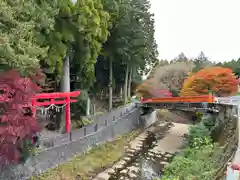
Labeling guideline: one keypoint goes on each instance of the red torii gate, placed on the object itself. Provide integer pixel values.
(12, 80)
(53, 98)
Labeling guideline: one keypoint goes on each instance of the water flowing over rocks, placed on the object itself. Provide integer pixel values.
(148, 153)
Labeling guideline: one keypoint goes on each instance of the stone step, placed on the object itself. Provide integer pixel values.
(126, 158)
(133, 169)
(102, 176)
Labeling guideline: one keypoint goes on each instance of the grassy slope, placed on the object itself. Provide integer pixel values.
(99, 157)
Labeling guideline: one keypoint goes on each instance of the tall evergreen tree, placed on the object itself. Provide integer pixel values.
(21, 24)
(201, 62)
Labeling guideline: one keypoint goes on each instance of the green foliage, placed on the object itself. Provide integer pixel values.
(80, 29)
(201, 62)
(175, 92)
(194, 163)
(79, 108)
(210, 123)
(234, 65)
(180, 58)
(168, 178)
(130, 43)
(26, 149)
(199, 142)
(84, 95)
(199, 116)
(21, 22)
(198, 134)
(137, 45)
(91, 32)
(84, 121)
(199, 160)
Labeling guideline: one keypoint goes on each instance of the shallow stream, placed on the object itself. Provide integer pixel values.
(145, 165)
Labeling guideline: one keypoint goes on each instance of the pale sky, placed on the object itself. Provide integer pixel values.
(191, 26)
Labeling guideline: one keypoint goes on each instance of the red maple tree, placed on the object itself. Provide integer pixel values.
(148, 90)
(16, 121)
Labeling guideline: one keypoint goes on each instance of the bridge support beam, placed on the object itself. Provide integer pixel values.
(146, 110)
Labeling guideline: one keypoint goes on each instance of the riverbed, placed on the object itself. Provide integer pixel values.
(149, 153)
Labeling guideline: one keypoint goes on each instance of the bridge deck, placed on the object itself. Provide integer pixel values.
(190, 103)
(189, 99)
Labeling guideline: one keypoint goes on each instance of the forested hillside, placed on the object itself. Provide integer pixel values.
(101, 47)
(97, 46)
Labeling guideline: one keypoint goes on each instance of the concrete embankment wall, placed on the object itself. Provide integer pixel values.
(226, 133)
(61, 149)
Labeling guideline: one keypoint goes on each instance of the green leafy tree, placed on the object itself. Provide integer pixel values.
(90, 34)
(112, 7)
(136, 44)
(80, 29)
(180, 58)
(201, 62)
(234, 65)
(21, 24)
(130, 50)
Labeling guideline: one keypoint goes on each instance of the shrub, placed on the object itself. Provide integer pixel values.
(84, 121)
(26, 149)
(193, 163)
(210, 123)
(168, 178)
(199, 116)
(199, 135)
(200, 160)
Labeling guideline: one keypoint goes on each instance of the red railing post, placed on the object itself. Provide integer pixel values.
(67, 114)
(210, 97)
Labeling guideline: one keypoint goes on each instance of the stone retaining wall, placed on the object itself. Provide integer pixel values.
(61, 149)
(226, 133)
(101, 121)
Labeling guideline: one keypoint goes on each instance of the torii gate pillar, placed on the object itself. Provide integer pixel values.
(51, 100)
(67, 115)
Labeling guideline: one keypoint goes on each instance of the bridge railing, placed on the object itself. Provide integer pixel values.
(227, 100)
(191, 99)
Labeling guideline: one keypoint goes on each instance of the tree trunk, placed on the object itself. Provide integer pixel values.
(88, 106)
(121, 92)
(101, 95)
(126, 85)
(55, 83)
(110, 85)
(55, 79)
(65, 87)
(94, 109)
(129, 83)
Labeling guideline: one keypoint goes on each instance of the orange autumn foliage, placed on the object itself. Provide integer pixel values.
(220, 81)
